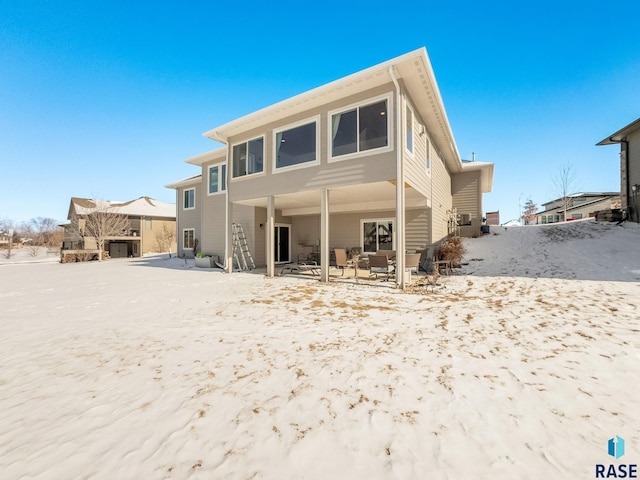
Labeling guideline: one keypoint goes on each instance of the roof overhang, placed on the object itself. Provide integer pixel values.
(219, 155)
(187, 182)
(486, 173)
(413, 69)
(620, 135)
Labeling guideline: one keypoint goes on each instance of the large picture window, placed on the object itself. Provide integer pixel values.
(377, 234)
(360, 129)
(296, 146)
(188, 238)
(248, 158)
(189, 199)
(217, 178)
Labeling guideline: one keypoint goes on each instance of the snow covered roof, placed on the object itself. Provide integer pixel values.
(143, 206)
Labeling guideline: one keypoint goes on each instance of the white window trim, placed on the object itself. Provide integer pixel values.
(220, 191)
(264, 159)
(184, 230)
(390, 128)
(194, 198)
(316, 162)
(377, 220)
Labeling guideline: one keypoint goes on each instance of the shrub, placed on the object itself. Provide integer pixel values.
(452, 250)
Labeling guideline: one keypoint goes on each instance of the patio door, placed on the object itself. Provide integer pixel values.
(377, 234)
(282, 244)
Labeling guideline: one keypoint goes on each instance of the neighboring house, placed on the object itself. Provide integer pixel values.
(149, 220)
(580, 205)
(629, 140)
(368, 161)
(4, 238)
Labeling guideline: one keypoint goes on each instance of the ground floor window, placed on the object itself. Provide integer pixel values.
(377, 234)
(188, 237)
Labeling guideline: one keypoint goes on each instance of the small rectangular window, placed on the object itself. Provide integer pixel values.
(248, 158)
(189, 199)
(217, 178)
(188, 238)
(409, 136)
(428, 159)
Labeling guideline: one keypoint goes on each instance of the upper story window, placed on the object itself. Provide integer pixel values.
(189, 197)
(248, 158)
(297, 145)
(409, 130)
(217, 178)
(359, 129)
(428, 156)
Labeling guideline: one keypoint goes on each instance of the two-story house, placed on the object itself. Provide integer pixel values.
(149, 227)
(367, 161)
(578, 206)
(629, 139)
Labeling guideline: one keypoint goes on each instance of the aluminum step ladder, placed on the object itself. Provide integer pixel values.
(241, 252)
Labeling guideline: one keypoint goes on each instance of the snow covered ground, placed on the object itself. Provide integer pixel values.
(522, 366)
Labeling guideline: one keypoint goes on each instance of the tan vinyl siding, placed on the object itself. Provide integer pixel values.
(415, 169)
(417, 231)
(441, 199)
(364, 169)
(634, 163)
(305, 231)
(466, 193)
(213, 217)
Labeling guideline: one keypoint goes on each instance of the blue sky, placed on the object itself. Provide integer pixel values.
(106, 99)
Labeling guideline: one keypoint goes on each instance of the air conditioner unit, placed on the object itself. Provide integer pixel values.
(465, 219)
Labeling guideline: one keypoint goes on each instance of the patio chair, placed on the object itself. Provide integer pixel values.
(379, 264)
(306, 254)
(391, 254)
(412, 262)
(342, 261)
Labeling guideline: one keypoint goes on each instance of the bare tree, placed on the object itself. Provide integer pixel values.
(565, 184)
(529, 213)
(41, 232)
(101, 223)
(164, 239)
(8, 227)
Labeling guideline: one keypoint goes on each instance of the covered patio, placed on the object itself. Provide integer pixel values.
(309, 225)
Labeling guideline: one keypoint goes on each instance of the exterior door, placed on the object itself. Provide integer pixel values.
(282, 244)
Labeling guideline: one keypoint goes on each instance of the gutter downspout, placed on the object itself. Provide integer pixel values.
(228, 254)
(400, 194)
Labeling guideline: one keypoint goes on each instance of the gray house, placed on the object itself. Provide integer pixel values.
(579, 205)
(629, 140)
(367, 161)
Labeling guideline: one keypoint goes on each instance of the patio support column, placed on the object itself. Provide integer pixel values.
(270, 236)
(324, 235)
(400, 193)
(228, 247)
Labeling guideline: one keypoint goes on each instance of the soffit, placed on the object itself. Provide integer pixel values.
(372, 196)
